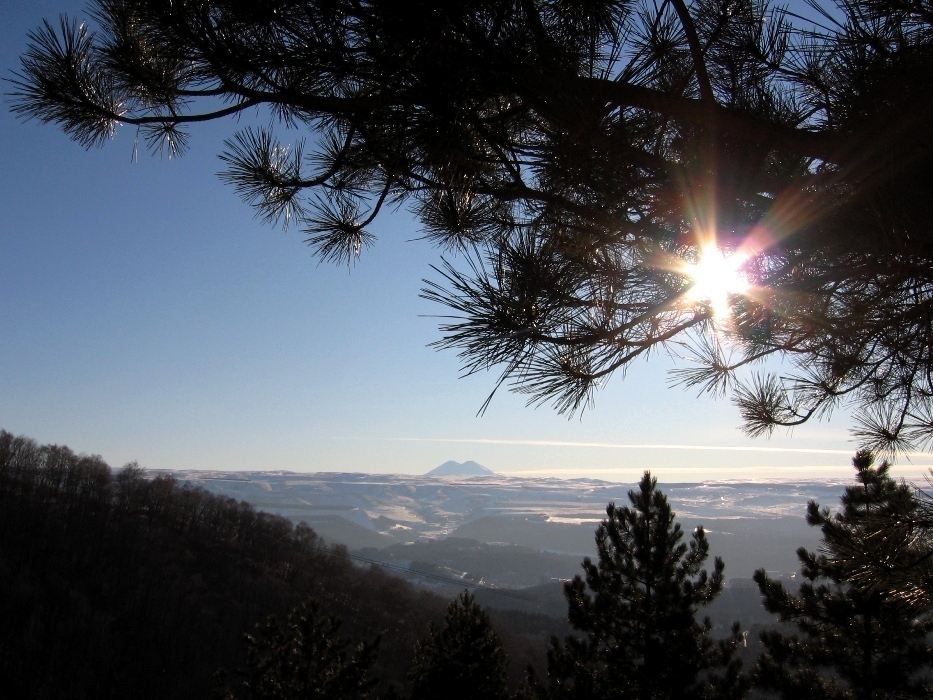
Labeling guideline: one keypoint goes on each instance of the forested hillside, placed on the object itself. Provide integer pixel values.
(116, 585)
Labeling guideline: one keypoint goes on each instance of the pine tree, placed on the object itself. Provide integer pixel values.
(583, 156)
(886, 543)
(641, 638)
(860, 638)
(305, 659)
(464, 660)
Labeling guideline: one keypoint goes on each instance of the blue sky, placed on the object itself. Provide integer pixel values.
(147, 316)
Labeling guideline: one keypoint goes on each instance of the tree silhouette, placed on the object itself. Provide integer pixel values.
(861, 637)
(582, 156)
(642, 638)
(305, 659)
(882, 540)
(463, 660)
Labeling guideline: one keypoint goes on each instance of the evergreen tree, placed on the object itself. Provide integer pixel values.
(860, 639)
(463, 660)
(584, 156)
(306, 659)
(641, 636)
(887, 543)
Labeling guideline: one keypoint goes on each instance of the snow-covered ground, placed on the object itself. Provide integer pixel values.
(751, 523)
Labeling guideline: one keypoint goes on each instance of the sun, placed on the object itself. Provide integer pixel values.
(717, 275)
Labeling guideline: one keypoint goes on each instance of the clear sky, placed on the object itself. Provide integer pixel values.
(147, 316)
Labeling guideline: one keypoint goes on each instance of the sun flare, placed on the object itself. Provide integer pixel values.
(716, 276)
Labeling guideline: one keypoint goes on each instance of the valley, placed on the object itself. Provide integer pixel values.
(515, 540)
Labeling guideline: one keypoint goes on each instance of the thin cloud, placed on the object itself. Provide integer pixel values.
(623, 446)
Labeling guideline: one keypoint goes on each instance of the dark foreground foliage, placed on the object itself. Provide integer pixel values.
(637, 612)
(858, 639)
(463, 660)
(304, 659)
(117, 586)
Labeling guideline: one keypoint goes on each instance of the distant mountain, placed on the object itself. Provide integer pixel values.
(451, 468)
